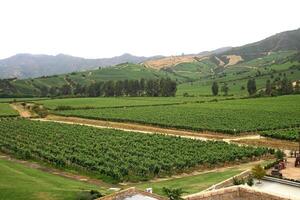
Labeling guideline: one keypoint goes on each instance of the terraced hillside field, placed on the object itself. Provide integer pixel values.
(230, 116)
(7, 111)
(115, 155)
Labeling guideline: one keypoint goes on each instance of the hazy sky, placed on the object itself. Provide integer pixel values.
(105, 28)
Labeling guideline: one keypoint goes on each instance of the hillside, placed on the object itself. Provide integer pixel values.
(284, 41)
(30, 66)
(272, 58)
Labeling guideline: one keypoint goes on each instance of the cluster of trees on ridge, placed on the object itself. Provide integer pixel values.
(275, 88)
(153, 87)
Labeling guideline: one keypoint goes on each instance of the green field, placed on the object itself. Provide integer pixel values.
(285, 134)
(191, 184)
(7, 111)
(107, 102)
(19, 182)
(115, 155)
(228, 116)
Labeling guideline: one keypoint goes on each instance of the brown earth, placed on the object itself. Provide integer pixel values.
(204, 135)
(291, 171)
(169, 61)
(269, 142)
(21, 110)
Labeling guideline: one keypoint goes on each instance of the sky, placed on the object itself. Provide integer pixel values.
(106, 28)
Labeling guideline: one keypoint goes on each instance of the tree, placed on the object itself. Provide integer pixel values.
(297, 87)
(119, 88)
(215, 88)
(66, 89)
(109, 88)
(258, 172)
(268, 88)
(279, 155)
(251, 86)
(225, 89)
(173, 194)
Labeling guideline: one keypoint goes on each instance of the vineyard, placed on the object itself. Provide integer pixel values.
(230, 116)
(115, 155)
(7, 111)
(110, 102)
(286, 134)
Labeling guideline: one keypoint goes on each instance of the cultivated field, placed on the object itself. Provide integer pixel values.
(230, 116)
(116, 155)
(7, 111)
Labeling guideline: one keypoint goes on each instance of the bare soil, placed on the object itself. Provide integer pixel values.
(291, 171)
(21, 110)
(204, 135)
(269, 142)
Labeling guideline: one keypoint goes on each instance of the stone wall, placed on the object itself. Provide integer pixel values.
(234, 193)
(130, 192)
(229, 182)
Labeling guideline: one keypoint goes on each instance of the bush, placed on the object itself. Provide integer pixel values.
(238, 181)
(89, 195)
(250, 181)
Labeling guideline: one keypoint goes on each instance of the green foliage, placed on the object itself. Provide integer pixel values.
(279, 155)
(251, 86)
(215, 88)
(250, 181)
(173, 194)
(88, 195)
(7, 111)
(285, 134)
(118, 155)
(238, 181)
(230, 116)
(258, 172)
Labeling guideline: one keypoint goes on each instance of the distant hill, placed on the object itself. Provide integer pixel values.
(284, 41)
(30, 66)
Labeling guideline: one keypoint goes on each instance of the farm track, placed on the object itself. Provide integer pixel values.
(134, 127)
(22, 112)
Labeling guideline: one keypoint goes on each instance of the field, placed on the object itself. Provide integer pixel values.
(230, 116)
(7, 111)
(107, 102)
(115, 155)
(191, 184)
(285, 134)
(20, 182)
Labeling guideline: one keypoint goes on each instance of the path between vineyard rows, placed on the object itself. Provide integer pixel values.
(131, 127)
(134, 127)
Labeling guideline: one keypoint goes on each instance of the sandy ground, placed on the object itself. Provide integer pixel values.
(233, 59)
(169, 61)
(291, 171)
(22, 112)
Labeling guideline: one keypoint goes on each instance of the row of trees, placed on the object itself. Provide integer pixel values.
(152, 87)
(277, 87)
(215, 89)
(282, 87)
